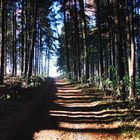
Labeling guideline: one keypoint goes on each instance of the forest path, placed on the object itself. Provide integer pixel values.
(63, 112)
(76, 116)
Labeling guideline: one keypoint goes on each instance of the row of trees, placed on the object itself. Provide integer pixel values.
(26, 37)
(104, 44)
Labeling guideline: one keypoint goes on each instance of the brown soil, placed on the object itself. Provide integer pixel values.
(60, 111)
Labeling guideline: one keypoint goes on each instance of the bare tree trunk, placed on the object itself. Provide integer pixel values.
(139, 63)
(26, 44)
(48, 63)
(111, 36)
(132, 55)
(101, 68)
(66, 42)
(118, 39)
(41, 52)
(33, 40)
(86, 49)
(14, 44)
(3, 41)
(22, 38)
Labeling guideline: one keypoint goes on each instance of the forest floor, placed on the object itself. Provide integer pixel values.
(62, 111)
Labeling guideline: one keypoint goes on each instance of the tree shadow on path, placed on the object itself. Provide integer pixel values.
(59, 106)
(34, 116)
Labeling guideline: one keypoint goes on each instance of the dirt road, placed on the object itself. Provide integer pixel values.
(62, 112)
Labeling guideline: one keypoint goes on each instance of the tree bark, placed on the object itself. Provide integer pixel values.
(14, 44)
(3, 41)
(132, 55)
(66, 41)
(85, 44)
(22, 39)
(101, 68)
(33, 39)
(118, 39)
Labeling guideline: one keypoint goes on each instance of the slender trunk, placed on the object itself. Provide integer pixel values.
(14, 44)
(77, 45)
(26, 47)
(86, 50)
(48, 63)
(118, 40)
(66, 43)
(111, 42)
(22, 38)
(41, 53)
(33, 40)
(101, 68)
(132, 55)
(139, 63)
(6, 35)
(3, 41)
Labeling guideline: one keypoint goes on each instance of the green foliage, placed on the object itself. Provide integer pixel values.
(137, 86)
(96, 79)
(114, 83)
(115, 77)
(126, 83)
(105, 82)
(16, 87)
(36, 81)
(73, 80)
(131, 132)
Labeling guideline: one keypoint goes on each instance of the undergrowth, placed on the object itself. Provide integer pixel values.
(19, 89)
(131, 130)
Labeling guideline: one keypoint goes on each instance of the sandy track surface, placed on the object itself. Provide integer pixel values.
(62, 112)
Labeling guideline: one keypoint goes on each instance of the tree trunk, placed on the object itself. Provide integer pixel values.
(101, 68)
(132, 55)
(77, 45)
(22, 39)
(26, 44)
(111, 36)
(14, 44)
(86, 49)
(66, 42)
(3, 41)
(118, 40)
(33, 39)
